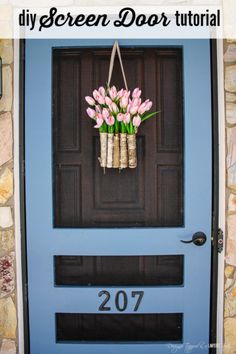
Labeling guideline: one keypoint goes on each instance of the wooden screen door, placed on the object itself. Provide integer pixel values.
(107, 271)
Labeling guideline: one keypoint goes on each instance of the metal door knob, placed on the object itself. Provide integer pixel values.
(199, 238)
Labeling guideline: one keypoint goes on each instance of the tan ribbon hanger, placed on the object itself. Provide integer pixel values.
(115, 49)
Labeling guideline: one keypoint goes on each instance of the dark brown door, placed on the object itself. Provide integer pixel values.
(151, 194)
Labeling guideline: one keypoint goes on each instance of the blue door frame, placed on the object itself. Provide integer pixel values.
(43, 241)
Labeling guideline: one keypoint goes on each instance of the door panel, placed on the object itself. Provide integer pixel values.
(52, 306)
(119, 270)
(114, 327)
(151, 194)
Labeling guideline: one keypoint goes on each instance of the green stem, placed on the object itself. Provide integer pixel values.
(149, 116)
(111, 129)
(123, 128)
(131, 127)
(103, 128)
(116, 126)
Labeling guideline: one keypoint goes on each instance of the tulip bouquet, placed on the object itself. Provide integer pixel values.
(118, 115)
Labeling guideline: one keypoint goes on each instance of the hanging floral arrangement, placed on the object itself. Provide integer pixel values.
(118, 114)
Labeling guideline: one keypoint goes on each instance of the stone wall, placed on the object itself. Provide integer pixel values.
(230, 260)
(8, 318)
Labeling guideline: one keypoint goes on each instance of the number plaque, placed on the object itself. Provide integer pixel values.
(121, 300)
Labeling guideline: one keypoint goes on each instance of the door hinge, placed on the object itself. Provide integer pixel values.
(220, 243)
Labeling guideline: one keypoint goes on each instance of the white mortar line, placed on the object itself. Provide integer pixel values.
(222, 194)
(16, 142)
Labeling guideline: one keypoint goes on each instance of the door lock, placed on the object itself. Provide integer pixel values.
(199, 238)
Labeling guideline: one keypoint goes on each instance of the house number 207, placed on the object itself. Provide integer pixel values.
(121, 300)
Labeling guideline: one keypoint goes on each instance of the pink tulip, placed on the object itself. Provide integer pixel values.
(90, 100)
(137, 121)
(99, 121)
(108, 100)
(135, 102)
(124, 102)
(126, 119)
(127, 94)
(110, 120)
(99, 115)
(98, 109)
(120, 93)
(96, 94)
(101, 100)
(113, 92)
(142, 108)
(120, 117)
(102, 91)
(114, 108)
(105, 113)
(148, 106)
(91, 112)
(133, 110)
(136, 93)
(128, 107)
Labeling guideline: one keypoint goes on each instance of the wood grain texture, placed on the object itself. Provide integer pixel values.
(150, 195)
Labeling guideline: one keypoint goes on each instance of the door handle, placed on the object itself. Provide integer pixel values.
(199, 238)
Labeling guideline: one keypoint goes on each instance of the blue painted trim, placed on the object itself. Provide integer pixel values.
(44, 241)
